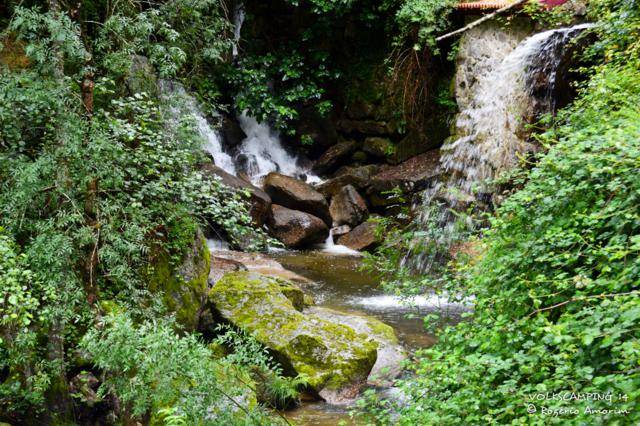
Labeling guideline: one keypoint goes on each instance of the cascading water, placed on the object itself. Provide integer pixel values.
(490, 134)
(238, 20)
(183, 105)
(262, 152)
(490, 129)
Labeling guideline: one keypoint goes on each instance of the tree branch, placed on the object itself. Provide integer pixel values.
(481, 20)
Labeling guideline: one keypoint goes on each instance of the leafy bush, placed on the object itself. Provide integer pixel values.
(177, 379)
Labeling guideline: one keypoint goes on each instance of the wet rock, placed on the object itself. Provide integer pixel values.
(231, 261)
(413, 175)
(362, 237)
(334, 357)
(260, 200)
(232, 133)
(391, 355)
(358, 177)
(297, 195)
(334, 157)
(338, 231)
(295, 228)
(183, 287)
(220, 265)
(378, 147)
(348, 207)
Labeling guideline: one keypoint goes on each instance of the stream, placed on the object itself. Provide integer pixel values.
(338, 283)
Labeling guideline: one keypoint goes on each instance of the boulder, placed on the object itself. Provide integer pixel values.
(297, 195)
(378, 147)
(260, 200)
(411, 176)
(334, 157)
(348, 207)
(338, 231)
(358, 177)
(360, 109)
(295, 228)
(335, 359)
(221, 264)
(183, 287)
(232, 133)
(362, 237)
(419, 142)
(359, 157)
(391, 355)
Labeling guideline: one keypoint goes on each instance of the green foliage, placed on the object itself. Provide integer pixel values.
(153, 370)
(178, 35)
(556, 290)
(52, 39)
(423, 20)
(273, 86)
(23, 308)
(274, 388)
(87, 199)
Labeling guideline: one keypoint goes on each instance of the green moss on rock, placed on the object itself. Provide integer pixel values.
(332, 356)
(183, 286)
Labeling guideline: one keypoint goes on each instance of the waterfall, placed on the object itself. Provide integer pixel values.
(490, 135)
(238, 20)
(182, 104)
(262, 152)
(489, 130)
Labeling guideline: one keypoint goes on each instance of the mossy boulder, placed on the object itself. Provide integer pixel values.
(183, 284)
(335, 358)
(391, 355)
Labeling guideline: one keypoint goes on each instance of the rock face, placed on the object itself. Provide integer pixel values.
(366, 127)
(295, 228)
(333, 356)
(362, 237)
(335, 157)
(260, 200)
(184, 287)
(297, 195)
(142, 76)
(348, 207)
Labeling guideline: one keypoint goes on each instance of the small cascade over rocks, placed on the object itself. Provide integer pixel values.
(331, 247)
(262, 153)
(259, 154)
(508, 91)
